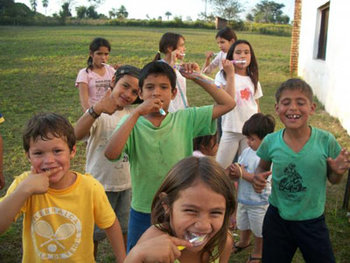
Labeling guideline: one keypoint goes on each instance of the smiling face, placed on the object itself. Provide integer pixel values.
(53, 153)
(224, 44)
(100, 56)
(126, 90)
(158, 86)
(197, 212)
(294, 109)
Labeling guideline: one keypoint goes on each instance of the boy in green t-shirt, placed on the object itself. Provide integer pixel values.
(155, 139)
(303, 157)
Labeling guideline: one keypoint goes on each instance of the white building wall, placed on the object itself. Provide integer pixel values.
(329, 78)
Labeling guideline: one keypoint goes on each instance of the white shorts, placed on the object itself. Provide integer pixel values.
(251, 217)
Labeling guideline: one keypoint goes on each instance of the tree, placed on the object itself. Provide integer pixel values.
(91, 12)
(168, 14)
(81, 11)
(45, 4)
(228, 9)
(113, 13)
(33, 4)
(65, 11)
(122, 12)
(269, 12)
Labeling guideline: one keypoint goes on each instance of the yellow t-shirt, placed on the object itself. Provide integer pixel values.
(58, 225)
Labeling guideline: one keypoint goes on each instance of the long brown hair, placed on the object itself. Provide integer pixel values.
(182, 176)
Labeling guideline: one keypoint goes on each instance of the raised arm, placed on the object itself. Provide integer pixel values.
(224, 99)
(105, 105)
(11, 205)
(338, 166)
(120, 137)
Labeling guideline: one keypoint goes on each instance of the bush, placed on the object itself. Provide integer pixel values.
(269, 29)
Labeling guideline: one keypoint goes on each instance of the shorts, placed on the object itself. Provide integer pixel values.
(251, 217)
(120, 202)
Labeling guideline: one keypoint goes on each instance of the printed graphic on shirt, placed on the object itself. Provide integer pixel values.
(245, 94)
(55, 242)
(101, 87)
(293, 182)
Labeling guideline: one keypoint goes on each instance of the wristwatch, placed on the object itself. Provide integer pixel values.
(92, 113)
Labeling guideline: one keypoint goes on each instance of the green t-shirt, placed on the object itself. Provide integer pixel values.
(299, 179)
(154, 150)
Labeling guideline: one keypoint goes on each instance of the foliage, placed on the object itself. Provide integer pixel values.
(122, 12)
(33, 4)
(228, 9)
(81, 11)
(65, 11)
(268, 29)
(45, 3)
(168, 14)
(269, 12)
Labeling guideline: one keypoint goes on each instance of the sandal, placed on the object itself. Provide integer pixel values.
(237, 249)
(255, 259)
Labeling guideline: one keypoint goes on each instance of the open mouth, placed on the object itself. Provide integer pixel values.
(196, 239)
(294, 116)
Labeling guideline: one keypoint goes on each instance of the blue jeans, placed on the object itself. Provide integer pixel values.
(138, 223)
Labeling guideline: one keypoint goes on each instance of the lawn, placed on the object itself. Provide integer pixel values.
(38, 67)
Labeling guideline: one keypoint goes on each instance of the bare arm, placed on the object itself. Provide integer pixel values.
(208, 57)
(115, 237)
(225, 256)
(84, 95)
(338, 166)
(12, 204)
(120, 137)
(224, 100)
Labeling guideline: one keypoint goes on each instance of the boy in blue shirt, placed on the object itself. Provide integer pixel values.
(303, 157)
(155, 142)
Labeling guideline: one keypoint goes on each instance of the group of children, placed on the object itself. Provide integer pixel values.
(143, 188)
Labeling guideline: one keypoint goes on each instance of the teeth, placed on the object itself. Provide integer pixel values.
(195, 240)
(294, 116)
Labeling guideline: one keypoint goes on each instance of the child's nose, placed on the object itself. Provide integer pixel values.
(203, 224)
(49, 158)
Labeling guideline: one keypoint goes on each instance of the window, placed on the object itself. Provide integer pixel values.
(322, 41)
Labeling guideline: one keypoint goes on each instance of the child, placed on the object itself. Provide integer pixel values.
(2, 178)
(94, 80)
(224, 38)
(172, 45)
(60, 206)
(195, 200)
(205, 145)
(155, 142)
(302, 159)
(97, 125)
(248, 92)
(251, 205)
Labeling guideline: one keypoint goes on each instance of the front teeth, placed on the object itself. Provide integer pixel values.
(294, 116)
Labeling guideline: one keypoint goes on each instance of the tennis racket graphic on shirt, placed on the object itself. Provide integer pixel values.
(44, 229)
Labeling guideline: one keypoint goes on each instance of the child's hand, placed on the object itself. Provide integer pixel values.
(228, 68)
(187, 70)
(107, 104)
(259, 181)
(38, 183)
(234, 171)
(148, 106)
(209, 55)
(161, 249)
(340, 164)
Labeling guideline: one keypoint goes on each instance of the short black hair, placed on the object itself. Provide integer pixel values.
(158, 68)
(259, 124)
(295, 84)
(43, 125)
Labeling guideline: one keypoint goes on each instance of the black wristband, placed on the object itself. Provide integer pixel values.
(93, 113)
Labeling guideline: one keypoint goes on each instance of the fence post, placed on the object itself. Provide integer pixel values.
(347, 193)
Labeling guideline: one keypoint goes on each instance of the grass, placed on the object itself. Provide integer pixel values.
(38, 67)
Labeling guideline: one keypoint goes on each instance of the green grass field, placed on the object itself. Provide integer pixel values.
(38, 67)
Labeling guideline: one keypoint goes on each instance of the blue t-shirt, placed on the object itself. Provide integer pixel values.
(299, 179)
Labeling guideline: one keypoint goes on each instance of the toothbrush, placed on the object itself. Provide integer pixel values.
(199, 76)
(193, 240)
(162, 112)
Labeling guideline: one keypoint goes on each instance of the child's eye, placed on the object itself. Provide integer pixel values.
(57, 151)
(190, 211)
(37, 153)
(217, 213)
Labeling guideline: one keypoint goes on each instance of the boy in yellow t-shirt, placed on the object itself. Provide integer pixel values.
(60, 206)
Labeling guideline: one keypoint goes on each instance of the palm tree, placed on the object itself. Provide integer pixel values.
(167, 14)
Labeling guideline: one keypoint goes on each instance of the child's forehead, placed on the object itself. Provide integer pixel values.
(294, 93)
(157, 78)
(48, 139)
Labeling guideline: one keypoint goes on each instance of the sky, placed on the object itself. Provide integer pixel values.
(154, 8)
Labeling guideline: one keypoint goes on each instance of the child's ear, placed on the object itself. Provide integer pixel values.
(313, 108)
(276, 107)
(173, 93)
(73, 152)
(140, 93)
(163, 197)
(27, 155)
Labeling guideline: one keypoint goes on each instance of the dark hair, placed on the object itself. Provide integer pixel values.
(46, 125)
(226, 33)
(158, 68)
(252, 69)
(295, 84)
(127, 70)
(167, 40)
(259, 124)
(204, 141)
(182, 176)
(95, 45)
